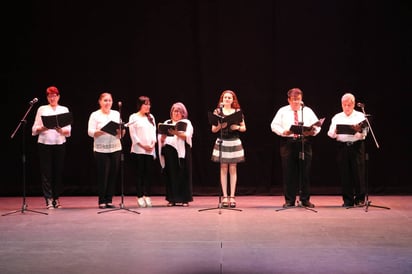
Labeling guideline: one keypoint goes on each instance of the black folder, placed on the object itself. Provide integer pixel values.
(112, 127)
(59, 120)
(296, 129)
(231, 119)
(164, 128)
(350, 129)
(345, 129)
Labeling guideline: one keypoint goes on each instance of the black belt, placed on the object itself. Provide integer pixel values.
(348, 144)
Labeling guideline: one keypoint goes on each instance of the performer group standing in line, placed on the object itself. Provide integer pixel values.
(174, 149)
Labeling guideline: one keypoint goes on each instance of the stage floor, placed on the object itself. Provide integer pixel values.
(191, 240)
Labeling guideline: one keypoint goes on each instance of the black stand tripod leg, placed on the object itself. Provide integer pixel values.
(220, 207)
(24, 209)
(368, 204)
(23, 157)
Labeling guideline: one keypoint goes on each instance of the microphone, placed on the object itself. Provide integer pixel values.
(302, 103)
(360, 105)
(32, 102)
(221, 105)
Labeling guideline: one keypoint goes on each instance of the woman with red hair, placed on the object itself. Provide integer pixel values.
(228, 149)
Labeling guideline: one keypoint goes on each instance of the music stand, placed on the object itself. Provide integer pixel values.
(367, 202)
(299, 129)
(22, 124)
(121, 205)
(220, 141)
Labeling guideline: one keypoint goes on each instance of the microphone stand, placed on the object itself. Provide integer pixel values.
(121, 205)
(367, 202)
(220, 141)
(22, 124)
(301, 166)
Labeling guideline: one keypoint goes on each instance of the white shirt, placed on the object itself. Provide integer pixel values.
(105, 143)
(285, 117)
(143, 132)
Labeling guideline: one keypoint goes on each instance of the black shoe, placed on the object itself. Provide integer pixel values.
(102, 206)
(347, 205)
(109, 205)
(286, 205)
(307, 204)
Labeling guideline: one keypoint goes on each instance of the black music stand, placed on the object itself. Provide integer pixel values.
(299, 129)
(22, 124)
(121, 205)
(220, 141)
(367, 202)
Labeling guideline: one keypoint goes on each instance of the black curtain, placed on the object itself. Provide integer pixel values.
(190, 51)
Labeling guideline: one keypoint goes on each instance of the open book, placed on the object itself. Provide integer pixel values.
(59, 120)
(296, 129)
(231, 119)
(164, 128)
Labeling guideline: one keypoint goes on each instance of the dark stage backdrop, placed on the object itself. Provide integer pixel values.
(190, 51)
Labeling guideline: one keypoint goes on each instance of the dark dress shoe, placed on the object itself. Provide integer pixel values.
(307, 204)
(347, 205)
(102, 206)
(110, 206)
(286, 205)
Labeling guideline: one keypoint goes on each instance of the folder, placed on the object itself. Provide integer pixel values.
(350, 129)
(234, 118)
(164, 128)
(297, 129)
(56, 121)
(112, 127)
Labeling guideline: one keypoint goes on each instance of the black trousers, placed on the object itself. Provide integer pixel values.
(51, 165)
(295, 169)
(351, 165)
(144, 172)
(107, 168)
(177, 175)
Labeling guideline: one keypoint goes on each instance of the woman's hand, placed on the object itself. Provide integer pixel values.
(180, 134)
